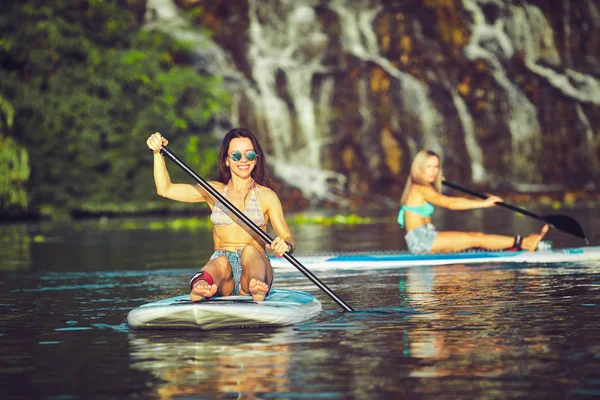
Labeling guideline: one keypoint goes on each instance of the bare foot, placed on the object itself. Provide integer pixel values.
(531, 242)
(258, 289)
(201, 290)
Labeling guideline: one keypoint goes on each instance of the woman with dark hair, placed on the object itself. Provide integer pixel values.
(423, 191)
(239, 264)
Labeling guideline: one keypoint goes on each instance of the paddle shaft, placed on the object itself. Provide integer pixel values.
(561, 222)
(501, 204)
(263, 235)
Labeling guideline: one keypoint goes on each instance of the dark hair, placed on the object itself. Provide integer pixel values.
(260, 173)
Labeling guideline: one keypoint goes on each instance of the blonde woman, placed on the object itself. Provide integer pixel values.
(423, 193)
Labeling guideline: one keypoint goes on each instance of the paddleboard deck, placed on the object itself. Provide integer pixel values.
(366, 261)
(282, 307)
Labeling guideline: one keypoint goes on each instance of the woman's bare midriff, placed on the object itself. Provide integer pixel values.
(231, 237)
(413, 220)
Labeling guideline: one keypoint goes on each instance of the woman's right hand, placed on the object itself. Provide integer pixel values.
(492, 201)
(155, 142)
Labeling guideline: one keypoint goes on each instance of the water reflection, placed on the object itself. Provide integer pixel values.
(476, 331)
(490, 320)
(15, 249)
(201, 364)
(418, 287)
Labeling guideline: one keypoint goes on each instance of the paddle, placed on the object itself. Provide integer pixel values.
(169, 154)
(561, 222)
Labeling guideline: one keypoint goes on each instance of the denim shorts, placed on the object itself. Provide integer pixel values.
(235, 260)
(420, 240)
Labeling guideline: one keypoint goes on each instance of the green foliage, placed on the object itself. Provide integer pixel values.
(7, 115)
(14, 173)
(88, 86)
(338, 219)
(14, 164)
(195, 224)
(201, 158)
(192, 225)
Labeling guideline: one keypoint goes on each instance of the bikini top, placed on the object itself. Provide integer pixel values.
(221, 216)
(425, 210)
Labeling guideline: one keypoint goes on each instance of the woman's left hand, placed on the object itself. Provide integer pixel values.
(279, 246)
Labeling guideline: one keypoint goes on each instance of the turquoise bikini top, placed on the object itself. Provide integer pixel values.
(424, 210)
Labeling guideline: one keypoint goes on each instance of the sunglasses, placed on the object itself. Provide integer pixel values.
(237, 156)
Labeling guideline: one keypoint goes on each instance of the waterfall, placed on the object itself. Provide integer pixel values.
(165, 16)
(359, 39)
(536, 40)
(490, 42)
(288, 42)
(534, 36)
(592, 145)
(275, 47)
(295, 56)
(478, 173)
(525, 29)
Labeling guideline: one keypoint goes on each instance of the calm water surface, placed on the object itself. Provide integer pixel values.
(478, 331)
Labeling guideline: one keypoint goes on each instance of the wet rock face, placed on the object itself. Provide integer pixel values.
(505, 91)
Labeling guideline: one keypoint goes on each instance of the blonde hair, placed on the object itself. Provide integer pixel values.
(416, 173)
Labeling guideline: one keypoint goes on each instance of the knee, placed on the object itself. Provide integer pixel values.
(222, 264)
(249, 251)
(254, 258)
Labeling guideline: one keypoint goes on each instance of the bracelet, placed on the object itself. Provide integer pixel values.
(292, 248)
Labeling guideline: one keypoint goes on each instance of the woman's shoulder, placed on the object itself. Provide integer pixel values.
(418, 189)
(266, 193)
(265, 190)
(418, 194)
(216, 184)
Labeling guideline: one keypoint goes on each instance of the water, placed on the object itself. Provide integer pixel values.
(477, 331)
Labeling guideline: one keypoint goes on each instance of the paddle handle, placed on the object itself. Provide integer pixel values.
(263, 235)
(501, 204)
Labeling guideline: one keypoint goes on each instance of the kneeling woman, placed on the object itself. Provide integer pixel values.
(239, 264)
(423, 191)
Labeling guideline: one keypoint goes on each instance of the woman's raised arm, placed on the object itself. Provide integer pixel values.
(164, 187)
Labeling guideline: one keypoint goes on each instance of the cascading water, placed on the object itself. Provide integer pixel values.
(525, 29)
(343, 93)
(359, 39)
(490, 42)
(287, 42)
(473, 149)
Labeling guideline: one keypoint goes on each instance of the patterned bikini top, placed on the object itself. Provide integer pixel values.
(221, 216)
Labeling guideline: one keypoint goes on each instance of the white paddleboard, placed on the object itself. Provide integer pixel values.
(282, 307)
(369, 261)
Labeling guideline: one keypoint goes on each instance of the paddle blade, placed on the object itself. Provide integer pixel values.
(566, 224)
